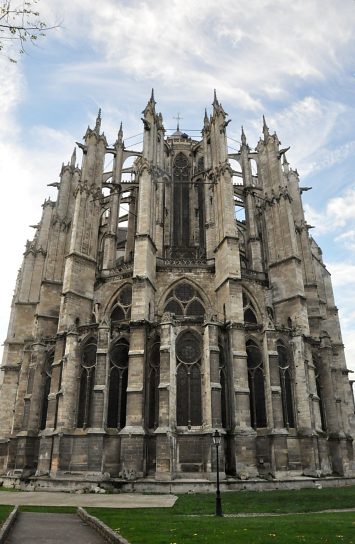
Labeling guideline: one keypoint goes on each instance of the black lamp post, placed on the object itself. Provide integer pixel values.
(217, 438)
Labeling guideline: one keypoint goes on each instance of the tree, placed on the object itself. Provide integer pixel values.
(20, 24)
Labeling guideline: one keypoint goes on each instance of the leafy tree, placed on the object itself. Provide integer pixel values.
(20, 24)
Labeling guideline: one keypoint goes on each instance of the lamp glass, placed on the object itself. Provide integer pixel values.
(216, 438)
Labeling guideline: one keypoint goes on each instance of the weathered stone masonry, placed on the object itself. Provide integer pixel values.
(146, 315)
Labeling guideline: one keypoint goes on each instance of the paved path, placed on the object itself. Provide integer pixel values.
(43, 528)
(116, 500)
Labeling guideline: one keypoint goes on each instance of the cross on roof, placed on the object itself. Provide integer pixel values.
(178, 120)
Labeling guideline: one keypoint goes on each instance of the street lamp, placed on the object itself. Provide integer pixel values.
(217, 438)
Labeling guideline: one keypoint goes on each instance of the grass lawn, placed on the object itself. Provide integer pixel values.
(283, 501)
(153, 526)
(4, 512)
(191, 520)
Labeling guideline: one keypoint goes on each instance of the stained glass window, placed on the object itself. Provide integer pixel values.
(286, 385)
(184, 300)
(153, 385)
(118, 379)
(256, 385)
(188, 380)
(87, 381)
(47, 374)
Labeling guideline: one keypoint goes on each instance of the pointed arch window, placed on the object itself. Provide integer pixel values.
(46, 385)
(121, 308)
(249, 311)
(118, 380)
(320, 395)
(153, 385)
(286, 383)
(256, 385)
(86, 382)
(184, 301)
(223, 382)
(181, 199)
(188, 379)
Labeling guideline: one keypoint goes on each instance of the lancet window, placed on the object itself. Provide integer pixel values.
(320, 393)
(256, 385)
(153, 384)
(86, 382)
(184, 301)
(118, 379)
(188, 379)
(121, 309)
(286, 385)
(249, 310)
(181, 199)
(223, 382)
(47, 375)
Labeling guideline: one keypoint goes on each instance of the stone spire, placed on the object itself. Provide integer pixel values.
(217, 106)
(119, 140)
(243, 138)
(73, 158)
(206, 122)
(265, 129)
(98, 122)
(150, 107)
(215, 102)
(285, 164)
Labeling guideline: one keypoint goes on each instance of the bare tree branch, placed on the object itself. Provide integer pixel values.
(20, 22)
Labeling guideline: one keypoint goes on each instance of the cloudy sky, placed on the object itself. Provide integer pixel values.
(292, 61)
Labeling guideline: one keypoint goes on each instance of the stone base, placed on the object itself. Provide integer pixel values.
(72, 484)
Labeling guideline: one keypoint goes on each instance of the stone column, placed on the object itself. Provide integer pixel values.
(244, 435)
(132, 436)
(47, 460)
(165, 433)
(96, 432)
(278, 433)
(70, 383)
(212, 394)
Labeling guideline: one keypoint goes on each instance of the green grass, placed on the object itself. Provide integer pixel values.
(191, 520)
(4, 512)
(279, 501)
(154, 526)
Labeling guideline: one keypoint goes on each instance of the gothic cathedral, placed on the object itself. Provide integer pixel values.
(147, 314)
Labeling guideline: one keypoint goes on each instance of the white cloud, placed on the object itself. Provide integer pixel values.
(339, 213)
(343, 274)
(25, 171)
(246, 49)
(343, 280)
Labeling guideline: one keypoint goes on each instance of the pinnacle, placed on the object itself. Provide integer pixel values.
(73, 158)
(243, 137)
(265, 129)
(98, 122)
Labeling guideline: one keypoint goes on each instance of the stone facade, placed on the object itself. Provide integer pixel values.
(146, 315)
